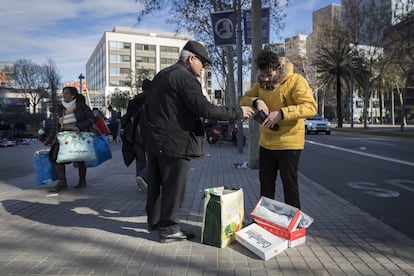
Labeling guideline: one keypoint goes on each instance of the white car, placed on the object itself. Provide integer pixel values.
(317, 124)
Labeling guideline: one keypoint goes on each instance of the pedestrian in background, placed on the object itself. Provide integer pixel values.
(113, 123)
(287, 100)
(171, 113)
(74, 115)
(5, 130)
(19, 129)
(132, 114)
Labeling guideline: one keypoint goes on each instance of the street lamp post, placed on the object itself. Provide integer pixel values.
(81, 77)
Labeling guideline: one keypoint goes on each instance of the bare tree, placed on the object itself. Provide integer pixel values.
(366, 22)
(254, 133)
(194, 17)
(29, 78)
(399, 47)
(52, 78)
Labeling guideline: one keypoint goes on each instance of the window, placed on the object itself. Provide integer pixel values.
(114, 71)
(145, 47)
(148, 60)
(118, 45)
(168, 61)
(119, 58)
(125, 71)
(167, 49)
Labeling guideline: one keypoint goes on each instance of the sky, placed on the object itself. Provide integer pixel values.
(67, 31)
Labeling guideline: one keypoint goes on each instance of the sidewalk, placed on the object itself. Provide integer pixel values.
(101, 230)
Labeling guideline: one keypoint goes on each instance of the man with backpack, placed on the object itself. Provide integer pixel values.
(131, 148)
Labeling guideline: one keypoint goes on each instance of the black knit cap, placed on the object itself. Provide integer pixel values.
(197, 49)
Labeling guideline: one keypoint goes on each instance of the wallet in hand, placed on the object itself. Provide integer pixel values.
(260, 116)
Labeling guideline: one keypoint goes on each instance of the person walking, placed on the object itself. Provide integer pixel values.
(113, 123)
(171, 114)
(75, 115)
(134, 106)
(286, 98)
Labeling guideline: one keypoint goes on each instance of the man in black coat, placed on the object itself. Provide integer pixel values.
(136, 151)
(173, 109)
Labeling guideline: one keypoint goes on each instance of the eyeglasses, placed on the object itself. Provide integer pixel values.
(201, 60)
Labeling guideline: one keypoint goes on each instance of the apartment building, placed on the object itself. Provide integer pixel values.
(125, 56)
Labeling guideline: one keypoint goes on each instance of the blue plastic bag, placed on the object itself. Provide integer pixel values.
(45, 171)
(102, 151)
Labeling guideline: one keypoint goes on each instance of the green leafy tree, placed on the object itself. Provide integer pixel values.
(336, 63)
(138, 76)
(119, 99)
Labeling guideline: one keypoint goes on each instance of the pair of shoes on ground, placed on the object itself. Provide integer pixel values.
(62, 186)
(176, 237)
(142, 184)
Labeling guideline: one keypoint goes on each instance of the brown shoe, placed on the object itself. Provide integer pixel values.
(81, 184)
(58, 187)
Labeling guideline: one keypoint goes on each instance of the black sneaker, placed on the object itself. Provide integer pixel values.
(141, 183)
(58, 188)
(81, 184)
(153, 227)
(178, 236)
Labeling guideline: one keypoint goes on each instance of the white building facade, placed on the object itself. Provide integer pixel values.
(127, 55)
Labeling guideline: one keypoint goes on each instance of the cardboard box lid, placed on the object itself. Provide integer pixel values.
(261, 242)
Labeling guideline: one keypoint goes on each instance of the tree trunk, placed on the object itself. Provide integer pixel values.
(230, 89)
(339, 99)
(254, 133)
(381, 100)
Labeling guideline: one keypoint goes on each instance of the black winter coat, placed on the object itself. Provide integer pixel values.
(84, 120)
(174, 105)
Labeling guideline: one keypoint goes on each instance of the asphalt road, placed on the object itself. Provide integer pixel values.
(374, 173)
(17, 161)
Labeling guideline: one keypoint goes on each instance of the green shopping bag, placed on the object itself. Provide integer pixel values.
(223, 215)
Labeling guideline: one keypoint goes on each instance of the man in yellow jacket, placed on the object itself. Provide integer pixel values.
(286, 98)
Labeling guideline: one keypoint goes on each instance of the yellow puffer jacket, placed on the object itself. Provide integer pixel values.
(294, 98)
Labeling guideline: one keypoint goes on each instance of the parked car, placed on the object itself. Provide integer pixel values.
(317, 124)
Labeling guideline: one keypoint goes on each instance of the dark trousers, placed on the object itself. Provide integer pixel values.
(286, 161)
(166, 189)
(113, 128)
(141, 162)
(61, 171)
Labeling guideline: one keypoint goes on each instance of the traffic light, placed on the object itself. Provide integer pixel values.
(3, 77)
